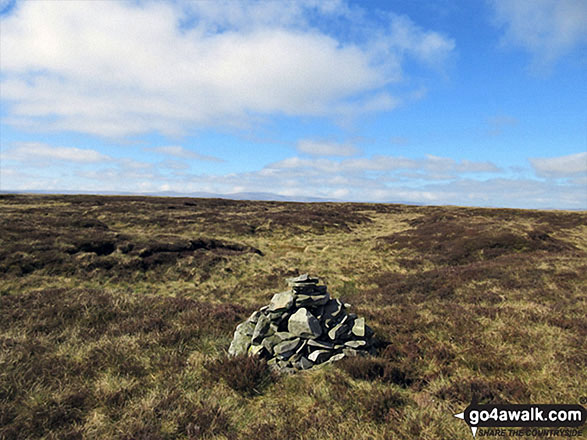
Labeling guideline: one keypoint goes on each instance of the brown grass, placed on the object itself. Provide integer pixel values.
(117, 313)
(247, 375)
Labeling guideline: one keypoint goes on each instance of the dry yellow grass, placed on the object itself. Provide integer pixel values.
(117, 310)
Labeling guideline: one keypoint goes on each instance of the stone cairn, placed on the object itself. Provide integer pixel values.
(301, 328)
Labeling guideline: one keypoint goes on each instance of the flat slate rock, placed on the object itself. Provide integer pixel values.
(337, 357)
(312, 300)
(302, 328)
(319, 356)
(281, 301)
(338, 331)
(302, 323)
(286, 349)
(284, 336)
(302, 279)
(321, 344)
(355, 344)
(286, 346)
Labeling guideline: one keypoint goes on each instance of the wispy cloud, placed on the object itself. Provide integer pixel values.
(123, 68)
(37, 151)
(573, 165)
(548, 29)
(183, 153)
(430, 179)
(382, 163)
(326, 148)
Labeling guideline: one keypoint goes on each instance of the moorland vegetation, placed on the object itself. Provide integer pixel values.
(117, 312)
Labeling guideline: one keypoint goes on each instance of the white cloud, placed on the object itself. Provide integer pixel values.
(174, 165)
(222, 14)
(37, 151)
(548, 29)
(387, 164)
(122, 68)
(435, 163)
(313, 178)
(429, 47)
(326, 148)
(573, 165)
(183, 153)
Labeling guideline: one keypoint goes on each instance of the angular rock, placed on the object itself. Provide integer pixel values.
(336, 357)
(319, 356)
(333, 307)
(295, 358)
(261, 329)
(319, 300)
(284, 336)
(240, 342)
(329, 322)
(338, 331)
(306, 289)
(256, 350)
(320, 290)
(254, 317)
(348, 319)
(318, 312)
(350, 352)
(284, 356)
(302, 328)
(321, 344)
(246, 327)
(302, 323)
(359, 327)
(283, 365)
(270, 342)
(281, 301)
(305, 363)
(355, 344)
(312, 300)
(333, 311)
(302, 300)
(302, 346)
(302, 279)
(287, 346)
(278, 317)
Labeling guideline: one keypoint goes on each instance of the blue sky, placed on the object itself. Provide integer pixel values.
(479, 103)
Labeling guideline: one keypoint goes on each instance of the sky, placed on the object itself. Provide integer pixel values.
(460, 102)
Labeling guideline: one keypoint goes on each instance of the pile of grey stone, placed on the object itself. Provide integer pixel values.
(301, 328)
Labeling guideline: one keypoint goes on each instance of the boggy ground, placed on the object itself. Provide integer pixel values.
(116, 313)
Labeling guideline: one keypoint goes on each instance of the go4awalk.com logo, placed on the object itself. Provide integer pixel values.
(563, 420)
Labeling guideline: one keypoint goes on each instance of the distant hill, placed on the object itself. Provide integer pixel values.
(260, 196)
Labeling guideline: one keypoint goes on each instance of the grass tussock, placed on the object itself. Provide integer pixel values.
(381, 369)
(247, 375)
(117, 313)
